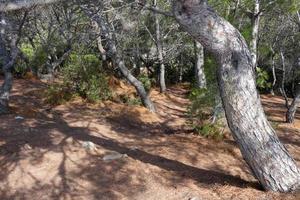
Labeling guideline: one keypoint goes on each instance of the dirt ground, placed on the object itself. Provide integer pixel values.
(114, 152)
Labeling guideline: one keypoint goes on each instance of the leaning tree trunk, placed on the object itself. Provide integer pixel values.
(199, 67)
(290, 115)
(268, 159)
(110, 37)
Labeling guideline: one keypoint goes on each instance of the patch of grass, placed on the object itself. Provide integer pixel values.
(209, 130)
(131, 101)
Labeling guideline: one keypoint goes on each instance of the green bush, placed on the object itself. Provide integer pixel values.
(146, 81)
(131, 101)
(213, 131)
(81, 76)
(262, 79)
(84, 76)
(203, 102)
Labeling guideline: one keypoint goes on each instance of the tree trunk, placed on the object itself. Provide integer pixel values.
(162, 82)
(268, 159)
(7, 66)
(137, 84)
(255, 28)
(282, 89)
(5, 90)
(110, 37)
(290, 115)
(273, 72)
(199, 68)
(99, 41)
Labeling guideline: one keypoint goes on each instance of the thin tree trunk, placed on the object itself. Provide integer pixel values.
(268, 159)
(282, 89)
(162, 82)
(60, 60)
(298, 16)
(99, 41)
(273, 73)
(199, 68)
(236, 7)
(290, 115)
(255, 29)
(118, 61)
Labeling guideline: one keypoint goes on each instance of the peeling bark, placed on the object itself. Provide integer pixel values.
(267, 158)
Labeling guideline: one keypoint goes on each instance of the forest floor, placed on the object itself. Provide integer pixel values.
(113, 151)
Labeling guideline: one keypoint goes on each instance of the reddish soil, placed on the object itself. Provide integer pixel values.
(45, 155)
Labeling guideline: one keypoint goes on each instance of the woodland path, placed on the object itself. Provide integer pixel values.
(65, 152)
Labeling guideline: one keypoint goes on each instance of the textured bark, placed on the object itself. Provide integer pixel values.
(267, 158)
(7, 60)
(290, 115)
(162, 82)
(199, 68)
(255, 28)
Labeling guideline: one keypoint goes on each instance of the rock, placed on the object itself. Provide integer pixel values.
(134, 148)
(194, 198)
(113, 156)
(27, 147)
(19, 118)
(89, 145)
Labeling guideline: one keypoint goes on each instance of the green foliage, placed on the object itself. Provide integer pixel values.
(209, 130)
(262, 79)
(83, 75)
(201, 97)
(203, 100)
(27, 50)
(58, 94)
(146, 81)
(131, 101)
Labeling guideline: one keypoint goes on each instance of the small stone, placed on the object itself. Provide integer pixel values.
(194, 198)
(89, 145)
(134, 148)
(113, 156)
(19, 118)
(27, 147)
